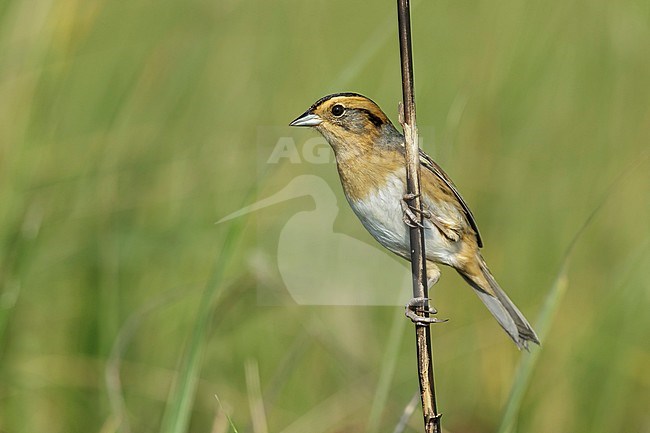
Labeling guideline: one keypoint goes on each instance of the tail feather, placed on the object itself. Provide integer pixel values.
(501, 307)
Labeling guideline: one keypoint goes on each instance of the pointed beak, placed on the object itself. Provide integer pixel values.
(307, 119)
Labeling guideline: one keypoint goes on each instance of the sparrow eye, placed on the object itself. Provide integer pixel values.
(338, 110)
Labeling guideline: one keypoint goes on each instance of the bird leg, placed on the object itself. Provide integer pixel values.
(420, 305)
(410, 219)
(417, 306)
(424, 212)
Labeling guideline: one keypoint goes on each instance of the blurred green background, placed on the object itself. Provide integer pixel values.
(127, 129)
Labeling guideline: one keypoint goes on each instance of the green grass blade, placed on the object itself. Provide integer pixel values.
(529, 360)
(545, 319)
(225, 412)
(181, 398)
(179, 405)
(388, 366)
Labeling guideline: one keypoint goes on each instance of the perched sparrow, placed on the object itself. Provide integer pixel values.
(370, 158)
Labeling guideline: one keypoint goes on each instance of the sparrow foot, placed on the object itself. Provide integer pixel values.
(410, 218)
(417, 306)
(424, 212)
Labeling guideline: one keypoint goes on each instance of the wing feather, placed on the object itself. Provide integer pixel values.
(430, 164)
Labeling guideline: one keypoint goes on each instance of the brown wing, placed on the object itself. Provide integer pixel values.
(430, 164)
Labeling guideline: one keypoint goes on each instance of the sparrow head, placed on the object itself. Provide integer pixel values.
(349, 121)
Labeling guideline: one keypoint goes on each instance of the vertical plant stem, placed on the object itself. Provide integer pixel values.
(418, 257)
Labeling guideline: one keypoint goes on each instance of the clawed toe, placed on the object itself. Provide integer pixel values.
(409, 211)
(425, 213)
(417, 306)
(409, 218)
(421, 320)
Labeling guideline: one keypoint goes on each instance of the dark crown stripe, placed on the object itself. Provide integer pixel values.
(334, 95)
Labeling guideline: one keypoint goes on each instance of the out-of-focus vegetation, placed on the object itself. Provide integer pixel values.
(128, 128)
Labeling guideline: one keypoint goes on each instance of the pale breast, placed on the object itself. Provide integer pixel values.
(381, 214)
